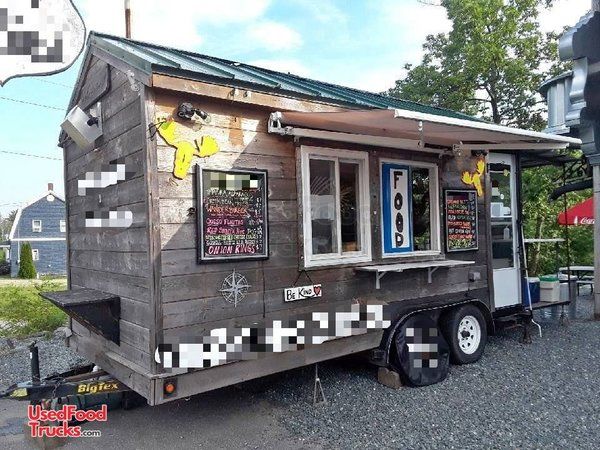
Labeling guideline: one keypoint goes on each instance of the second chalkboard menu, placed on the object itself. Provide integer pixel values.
(461, 220)
(232, 214)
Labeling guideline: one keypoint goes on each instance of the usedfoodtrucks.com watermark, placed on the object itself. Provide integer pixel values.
(55, 423)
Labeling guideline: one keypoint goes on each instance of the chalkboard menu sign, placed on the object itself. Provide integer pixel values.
(232, 214)
(461, 220)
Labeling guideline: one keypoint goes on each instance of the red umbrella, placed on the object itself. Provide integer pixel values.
(580, 214)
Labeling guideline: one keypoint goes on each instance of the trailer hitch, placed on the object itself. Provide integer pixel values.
(84, 380)
(91, 383)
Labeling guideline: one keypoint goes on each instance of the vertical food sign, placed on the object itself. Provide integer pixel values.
(232, 219)
(396, 202)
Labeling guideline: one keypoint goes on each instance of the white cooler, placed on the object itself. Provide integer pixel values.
(550, 291)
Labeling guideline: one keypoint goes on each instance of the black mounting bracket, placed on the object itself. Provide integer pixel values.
(96, 310)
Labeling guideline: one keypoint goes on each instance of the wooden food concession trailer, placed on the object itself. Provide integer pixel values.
(227, 222)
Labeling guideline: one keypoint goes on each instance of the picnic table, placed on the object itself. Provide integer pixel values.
(584, 274)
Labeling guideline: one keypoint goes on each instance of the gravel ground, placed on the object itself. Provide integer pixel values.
(54, 357)
(543, 395)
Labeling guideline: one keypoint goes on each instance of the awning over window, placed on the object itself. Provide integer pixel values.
(414, 131)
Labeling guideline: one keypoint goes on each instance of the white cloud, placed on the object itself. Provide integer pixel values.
(409, 22)
(374, 80)
(563, 13)
(225, 11)
(274, 36)
(324, 11)
(292, 66)
(169, 22)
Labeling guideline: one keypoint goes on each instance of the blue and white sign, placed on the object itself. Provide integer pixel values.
(397, 208)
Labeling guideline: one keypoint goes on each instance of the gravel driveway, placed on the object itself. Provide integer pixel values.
(543, 395)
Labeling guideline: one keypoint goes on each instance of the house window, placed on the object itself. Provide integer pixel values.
(410, 208)
(63, 226)
(35, 254)
(336, 210)
(36, 226)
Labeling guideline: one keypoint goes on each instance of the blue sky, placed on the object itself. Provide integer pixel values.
(359, 43)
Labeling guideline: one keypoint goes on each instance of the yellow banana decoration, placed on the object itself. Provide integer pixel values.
(475, 179)
(185, 151)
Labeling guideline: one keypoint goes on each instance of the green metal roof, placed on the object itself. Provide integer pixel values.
(152, 58)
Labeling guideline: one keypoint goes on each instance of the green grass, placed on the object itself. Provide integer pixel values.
(23, 312)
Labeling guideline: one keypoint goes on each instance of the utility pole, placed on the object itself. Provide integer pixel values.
(596, 184)
(128, 19)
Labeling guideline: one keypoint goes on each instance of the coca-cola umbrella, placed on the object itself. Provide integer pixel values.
(579, 214)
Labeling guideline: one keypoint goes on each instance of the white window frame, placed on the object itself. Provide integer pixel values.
(35, 254)
(35, 229)
(364, 212)
(63, 226)
(434, 209)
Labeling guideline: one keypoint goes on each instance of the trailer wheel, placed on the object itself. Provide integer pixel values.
(465, 330)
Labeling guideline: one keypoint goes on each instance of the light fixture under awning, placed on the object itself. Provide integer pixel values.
(413, 130)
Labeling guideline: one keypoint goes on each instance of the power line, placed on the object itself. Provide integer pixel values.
(53, 82)
(30, 155)
(31, 103)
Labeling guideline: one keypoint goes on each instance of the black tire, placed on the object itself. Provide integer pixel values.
(461, 350)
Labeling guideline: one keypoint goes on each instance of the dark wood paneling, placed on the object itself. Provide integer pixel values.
(127, 263)
(77, 221)
(119, 240)
(123, 193)
(114, 283)
(125, 146)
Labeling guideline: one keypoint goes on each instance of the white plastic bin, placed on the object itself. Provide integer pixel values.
(567, 283)
(550, 291)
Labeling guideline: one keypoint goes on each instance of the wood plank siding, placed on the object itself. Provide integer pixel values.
(113, 260)
(152, 266)
(189, 291)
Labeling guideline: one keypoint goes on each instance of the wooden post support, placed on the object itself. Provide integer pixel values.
(596, 174)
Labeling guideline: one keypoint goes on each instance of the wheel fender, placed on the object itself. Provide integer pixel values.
(388, 337)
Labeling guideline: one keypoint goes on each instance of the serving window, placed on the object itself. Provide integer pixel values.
(336, 207)
(410, 208)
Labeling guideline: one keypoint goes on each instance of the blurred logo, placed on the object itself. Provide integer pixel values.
(38, 37)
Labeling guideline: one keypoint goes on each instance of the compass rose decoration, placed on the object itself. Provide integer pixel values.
(234, 288)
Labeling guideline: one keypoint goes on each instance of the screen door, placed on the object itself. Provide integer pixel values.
(507, 285)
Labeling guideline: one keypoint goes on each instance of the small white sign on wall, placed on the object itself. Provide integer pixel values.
(302, 292)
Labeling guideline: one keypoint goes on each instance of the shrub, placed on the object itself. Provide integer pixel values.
(26, 266)
(4, 268)
(2, 256)
(24, 312)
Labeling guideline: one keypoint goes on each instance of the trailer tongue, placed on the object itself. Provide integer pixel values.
(81, 381)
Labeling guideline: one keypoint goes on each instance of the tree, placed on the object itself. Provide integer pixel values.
(26, 266)
(6, 224)
(490, 64)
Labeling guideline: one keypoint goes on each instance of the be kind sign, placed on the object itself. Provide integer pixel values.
(396, 203)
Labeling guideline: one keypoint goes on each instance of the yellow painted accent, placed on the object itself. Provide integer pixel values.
(20, 392)
(208, 146)
(185, 151)
(475, 178)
